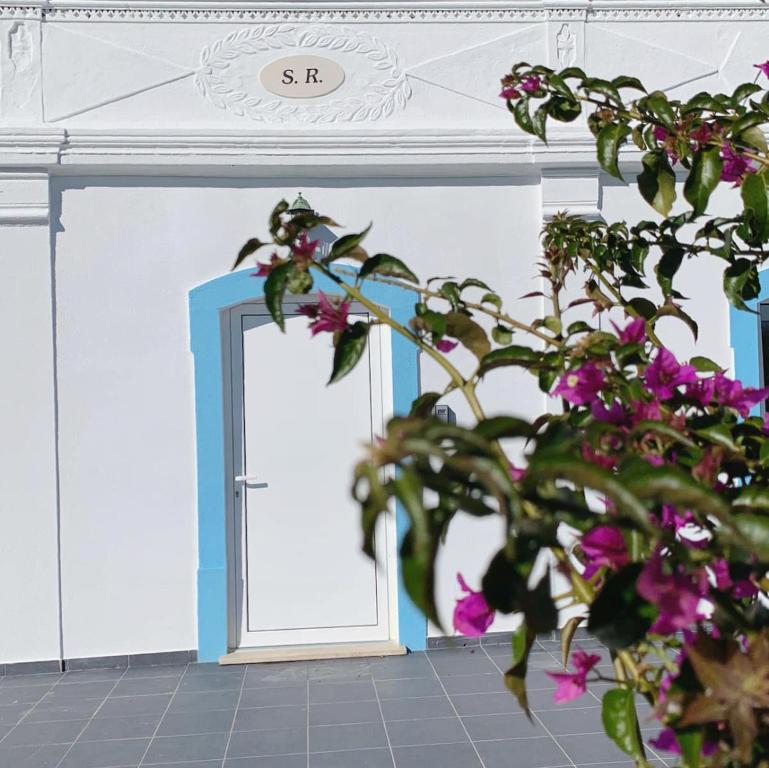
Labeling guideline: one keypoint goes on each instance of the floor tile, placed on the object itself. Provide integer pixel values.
(279, 761)
(279, 741)
(511, 726)
(444, 730)
(356, 758)
(70, 710)
(485, 703)
(172, 670)
(47, 756)
(175, 749)
(340, 713)
(10, 715)
(261, 675)
(522, 753)
(484, 683)
(273, 697)
(100, 754)
(443, 756)
(596, 748)
(34, 734)
(572, 721)
(327, 738)
(262, 718)
(416, 709)
(94, 690)
(134, 727)
(204, 683)
(412, 665)
(143, 686)
(181, 723)
(28, 694)
(204, 701)
(338, 669)
(91, 676)
(449, 663)
(186, 764)
(126, 706)
(15, 681)
(409, 688)
(357, 690)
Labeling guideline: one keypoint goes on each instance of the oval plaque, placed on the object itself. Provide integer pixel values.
(302, 77)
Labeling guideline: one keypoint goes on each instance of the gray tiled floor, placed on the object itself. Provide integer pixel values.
(443, 709)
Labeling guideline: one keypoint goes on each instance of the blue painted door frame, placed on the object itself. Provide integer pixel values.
(745, 339)
(207, 302)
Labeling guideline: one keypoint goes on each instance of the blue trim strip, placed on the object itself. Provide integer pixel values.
(206, 303)
(745, 339)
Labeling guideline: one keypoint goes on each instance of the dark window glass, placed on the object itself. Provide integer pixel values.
(764, 316)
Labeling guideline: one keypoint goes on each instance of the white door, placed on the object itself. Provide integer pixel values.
(301, 577)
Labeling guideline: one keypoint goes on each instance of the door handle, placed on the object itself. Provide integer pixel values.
(251, 480)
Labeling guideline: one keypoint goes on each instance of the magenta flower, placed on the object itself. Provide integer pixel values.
(510, 93)
(735, 165)
(703, 134)
(325, 316)
(702, 391)
(531, 83)
(582, 385)
(633, 333)
(472, 614)
(667, 742)
(677, 595)
(646, 411)
(665, 374)
(601, 459)
(614, 414)
(763, 67)
(516, 473)
(572, 685)
(304, 248)
(445, 345)
(604, 546)
(262, 270)
(660, 133)
(732, 394)
(654, 459)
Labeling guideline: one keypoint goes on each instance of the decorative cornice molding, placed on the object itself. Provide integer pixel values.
(385, 11)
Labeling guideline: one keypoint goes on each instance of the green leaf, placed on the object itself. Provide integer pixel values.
(539, 123)
(705, 364)
(559, 86)
(563, 109)
(580, 326)
(275, 290)
(349, 350)
(645, 308)
(498, 427)
(501, 335)
(753, 496)
(749, 120)
(657, 182)
(423, 406)
(553, 324)
(515, 677)
(299, 281)
(492, 298)
(720, 434)
(384, 264)
(624, 81)
(620, 722)
(251, 246)
(703, 178)
(610, 138)
(755, 138)
(619, 616)
(520, 110)
(473, 282)
(742, 92)
(658, 104)
(741, 282)
(345, 245)
(275, 217)
(756, 202)
(459, 326)
(691, 740)
(667, 267)
(604, 87)
(512, 355)
(755, 529)
(520, 644)
(503, 585)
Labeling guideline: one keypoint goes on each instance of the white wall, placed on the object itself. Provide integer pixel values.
(29, 630)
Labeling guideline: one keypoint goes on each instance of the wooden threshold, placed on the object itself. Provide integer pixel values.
(312, 652)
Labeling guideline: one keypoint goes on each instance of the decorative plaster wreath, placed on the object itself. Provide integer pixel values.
(214, 78)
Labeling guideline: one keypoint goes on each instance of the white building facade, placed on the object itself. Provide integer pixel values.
(141, 144)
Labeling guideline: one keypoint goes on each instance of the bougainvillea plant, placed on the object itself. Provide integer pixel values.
(649, 486)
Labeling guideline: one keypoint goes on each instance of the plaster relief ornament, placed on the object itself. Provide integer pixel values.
(565, 45)
(274, 73)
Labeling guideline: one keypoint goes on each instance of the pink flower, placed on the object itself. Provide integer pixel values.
(601, 459)
(531, 83)
(325, 316)
(304, 249)
(614, 414)
(660, 133)
(646, 411)
(735, 165)
(703, 134)
(677, 595)
(262, 270)
(516, 473)
(732, 394)
(604, 546)
(581, 385)
(664, 375)
(667, 742)
(763, 67)
(472, 615)
(572, 685)
(702, 391)
(633, 333)
(653, 459)
(444, 345)
(509, 93)
(721, 576)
